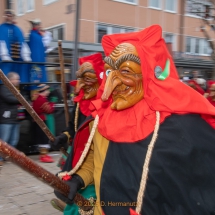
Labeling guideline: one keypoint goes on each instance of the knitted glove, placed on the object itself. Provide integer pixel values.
(60, 141)
(75, 184)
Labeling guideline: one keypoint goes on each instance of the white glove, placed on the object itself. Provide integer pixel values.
(4, 53)
(25, 52)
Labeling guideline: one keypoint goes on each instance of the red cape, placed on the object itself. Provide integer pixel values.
(166, 96)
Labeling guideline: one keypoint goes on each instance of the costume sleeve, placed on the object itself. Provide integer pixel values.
(47, 38)
(4, 43)
(4, 52)
(25, 52)
(87, 168)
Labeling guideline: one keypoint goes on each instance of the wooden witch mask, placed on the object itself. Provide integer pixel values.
(124, 77)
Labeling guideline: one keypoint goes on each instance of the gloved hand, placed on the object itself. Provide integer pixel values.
(60, 141)
(75, 184)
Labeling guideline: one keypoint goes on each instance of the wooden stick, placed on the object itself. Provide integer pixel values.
(63, 84)
(21, 160)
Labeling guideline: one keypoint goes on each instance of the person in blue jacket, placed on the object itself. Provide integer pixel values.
(13, 47)
(37, 47)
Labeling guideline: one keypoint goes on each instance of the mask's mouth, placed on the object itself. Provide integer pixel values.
(123, 89)
(89, 88)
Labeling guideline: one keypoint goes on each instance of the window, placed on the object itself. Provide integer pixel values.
(24, 6)
(45, 2)
(57, 32)
(116, 30)
(102, 30)
(171, 5)
(197, 46)
(188, 44)
(20, 7)
(171, 38)
(207, 48)
(109, 29)
(197, 7)
(155, 3)
(30, 5)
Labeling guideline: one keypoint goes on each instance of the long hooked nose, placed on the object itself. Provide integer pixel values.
(111, 83)
(78, 86)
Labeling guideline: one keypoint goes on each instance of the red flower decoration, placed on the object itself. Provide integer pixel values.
(132, 212)
(66, 177)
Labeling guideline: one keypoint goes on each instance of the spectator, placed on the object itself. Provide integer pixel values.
(9, 123)
(202, 83)
(13, 47)
(37, 47)
(42, 107)
(195, 74)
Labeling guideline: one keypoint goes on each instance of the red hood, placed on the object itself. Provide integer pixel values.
(98, 65)
(167, 96)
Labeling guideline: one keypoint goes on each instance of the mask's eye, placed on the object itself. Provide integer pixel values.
(108, 71)
(124, 71)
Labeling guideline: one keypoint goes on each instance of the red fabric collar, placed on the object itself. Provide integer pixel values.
(167, 96)
(83, 103)
(34, 29)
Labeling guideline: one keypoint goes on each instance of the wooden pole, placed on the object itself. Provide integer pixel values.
(21, 160)
(63, 84)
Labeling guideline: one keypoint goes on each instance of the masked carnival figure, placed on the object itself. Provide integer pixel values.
(13, 47)
(89, 78)
(151, 149)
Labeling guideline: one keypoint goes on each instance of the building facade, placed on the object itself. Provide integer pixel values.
(2, 8)
(180, 24)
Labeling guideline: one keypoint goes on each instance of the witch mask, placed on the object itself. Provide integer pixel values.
(87, 80)
(124, 77)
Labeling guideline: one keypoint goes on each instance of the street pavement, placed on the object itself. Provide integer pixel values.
(23, 194)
